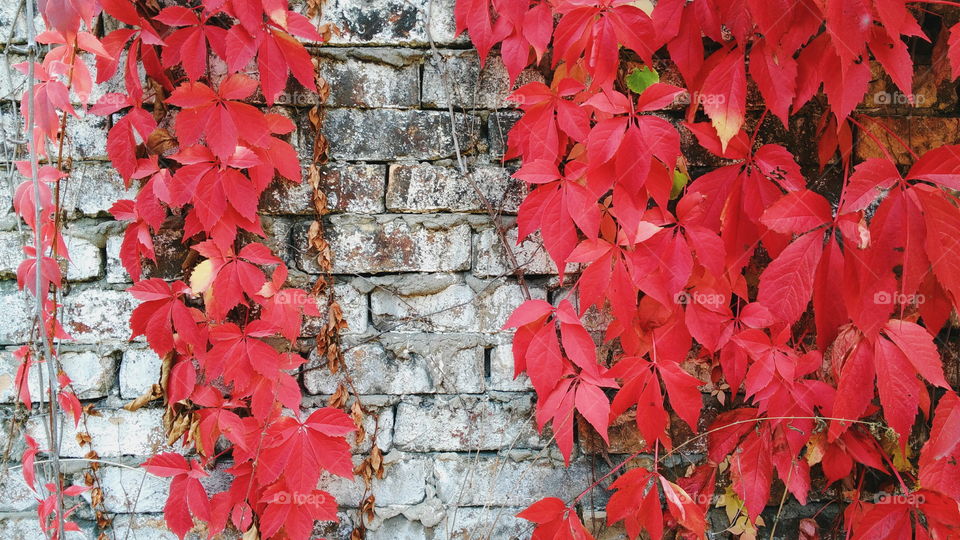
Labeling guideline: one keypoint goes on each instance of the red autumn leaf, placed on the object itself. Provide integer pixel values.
(301, 450)
(162, 315)
(752, 471)
(798, 212)
(594, 406)
(554, 520)
(724, 93)
(945, 433)
(183, 377)
(787, 283)
(294, 512)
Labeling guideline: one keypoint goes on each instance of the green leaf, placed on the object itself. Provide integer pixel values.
(680, 181)
(641, 78)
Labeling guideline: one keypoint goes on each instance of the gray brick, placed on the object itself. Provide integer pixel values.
(403, 483)
(490, 256)
(139, 370)
(464, 424)
(501, 481)
(353, 304)
(17, 309)
(115, 433)
(92, 188)
(357, 189)
(371, 78)
(468, 85)
(86, 260)
(94, 316)
(92, 375)
(388, 243)
(444, 304)
(390, 22)
(422, 188)
(385, 134)
(408, 364)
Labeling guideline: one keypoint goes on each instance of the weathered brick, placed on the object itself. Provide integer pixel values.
(389, 243)
(22, 527)
(115, 273)
(404, 482)
(397, 527)
(490, 256)
(467, 480)
(11, 253)
(88, 137)
(14, 494)
(502, 370)
(425, 188)
(391, 22)
(128, 491)
(152, 526)
(425, 303)
(381, 414)
(114, 433)
(444, 303)
(357, 189)
(86, 260)
(464, 423)
(17, 309)
(92, 188)
(407, 364)
(353, 304)
(139, 370)
(488, 522)
(95, 315)
(921, 133)
(385, 134)
(499, 125)
(92, 375)
(371, 78)
(12, 19)
(466, 84)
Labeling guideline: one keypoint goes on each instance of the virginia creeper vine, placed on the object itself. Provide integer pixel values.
(185, 133)
(720, 271)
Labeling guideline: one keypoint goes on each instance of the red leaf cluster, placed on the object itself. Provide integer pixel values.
(722, 270)
(220, 329)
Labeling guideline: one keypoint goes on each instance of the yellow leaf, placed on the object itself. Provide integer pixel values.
(201, 277)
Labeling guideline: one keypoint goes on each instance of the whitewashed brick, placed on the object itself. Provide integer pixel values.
(424, 188)
(115, 433)
(92, 375)
(94, 315)
(139, 370)
(467, 480)
(388, 243)
(465, 424)
(407, 364)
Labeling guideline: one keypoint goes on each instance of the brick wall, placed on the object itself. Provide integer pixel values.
(422, 277)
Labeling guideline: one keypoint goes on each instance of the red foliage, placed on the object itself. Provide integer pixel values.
(681, 268)
(219, 330)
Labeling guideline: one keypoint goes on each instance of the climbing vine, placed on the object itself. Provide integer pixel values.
(718, 272)
(186, 131)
